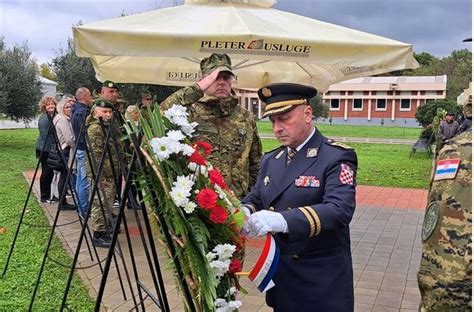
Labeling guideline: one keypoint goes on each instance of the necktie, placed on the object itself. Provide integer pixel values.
(289, 155)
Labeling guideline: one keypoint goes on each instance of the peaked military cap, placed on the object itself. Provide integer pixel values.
(102, 103)
(110, 84)
(216, 61)
(283, 97)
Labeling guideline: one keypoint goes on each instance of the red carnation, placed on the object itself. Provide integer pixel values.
(207, 198)
(235, 266)
(216, 177)
(197, 158)
(218, 215)
(204, 146)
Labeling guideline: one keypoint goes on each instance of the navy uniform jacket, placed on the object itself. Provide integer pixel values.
(315, 269)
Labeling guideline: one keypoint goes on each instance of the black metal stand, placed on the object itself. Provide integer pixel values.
(158, 296)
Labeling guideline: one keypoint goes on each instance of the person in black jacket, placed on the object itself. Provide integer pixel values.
(43, 146)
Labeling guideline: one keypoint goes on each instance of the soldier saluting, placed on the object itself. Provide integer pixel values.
(223, 123)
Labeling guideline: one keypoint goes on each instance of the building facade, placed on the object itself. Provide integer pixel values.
(390, 101)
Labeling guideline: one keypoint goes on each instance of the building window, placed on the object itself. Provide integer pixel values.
(334, 104)
(405, 105)
(428, 100)
(381, 105)
(357, 105)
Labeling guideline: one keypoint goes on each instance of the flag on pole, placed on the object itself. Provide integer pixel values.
(266, 266)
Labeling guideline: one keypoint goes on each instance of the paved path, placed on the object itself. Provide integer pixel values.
(386, 251)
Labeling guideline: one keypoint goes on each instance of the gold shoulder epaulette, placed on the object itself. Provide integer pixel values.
(339, 144)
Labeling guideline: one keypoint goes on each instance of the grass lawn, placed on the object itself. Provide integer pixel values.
(17, 154)
(356, 131)
(385, 165)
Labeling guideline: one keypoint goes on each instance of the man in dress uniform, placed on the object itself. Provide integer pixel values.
(305, 196)
(444, 277)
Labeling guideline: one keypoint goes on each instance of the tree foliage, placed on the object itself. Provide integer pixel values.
(72, 71)
(425, 114)
(47, 72)
(456, 66)
(320, 110)
(20, 87)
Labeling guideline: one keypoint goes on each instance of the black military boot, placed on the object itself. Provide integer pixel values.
(101, 239)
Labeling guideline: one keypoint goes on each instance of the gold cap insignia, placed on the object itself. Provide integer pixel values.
(266, 92)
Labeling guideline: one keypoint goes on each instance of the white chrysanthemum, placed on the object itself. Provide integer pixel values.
(176, 111)
(188, 128)
(179, 196)
(232, 291)
(234, 305)
(210, 256)
(220, 302)
(160, 148)
(174, 147)
(223, 306)
(219, 267)
(189, 207)
(224, 251)
(184, 182)
(175, 135)
(187, 150)
(198, 169)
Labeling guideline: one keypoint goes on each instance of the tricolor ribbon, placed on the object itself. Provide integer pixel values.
(264, 270)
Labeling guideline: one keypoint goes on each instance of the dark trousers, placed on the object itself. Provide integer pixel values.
(62, 182)
(47, 175)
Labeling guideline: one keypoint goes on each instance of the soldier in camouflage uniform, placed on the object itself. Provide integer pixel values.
(101, 220)
(229, 128)
(146, 101)
(445, 271)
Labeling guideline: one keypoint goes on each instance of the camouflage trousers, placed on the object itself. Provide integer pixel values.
(100, 219)
(441, 291)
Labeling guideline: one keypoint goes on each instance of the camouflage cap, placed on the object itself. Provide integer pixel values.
(146, 95)
(216, 61)
(102, 103)
(283, 97)
(110, 84)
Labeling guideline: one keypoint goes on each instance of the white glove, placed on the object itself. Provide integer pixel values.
(264, 221)
(246, 228)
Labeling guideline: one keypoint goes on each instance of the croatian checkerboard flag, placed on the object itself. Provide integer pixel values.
(266, 266)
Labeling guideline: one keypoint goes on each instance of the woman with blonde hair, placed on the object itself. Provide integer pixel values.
(63, 126)
(44, 143)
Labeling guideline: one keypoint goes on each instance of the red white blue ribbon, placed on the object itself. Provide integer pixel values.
(266, 266)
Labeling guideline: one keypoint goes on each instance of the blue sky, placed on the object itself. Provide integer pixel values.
(434, 26)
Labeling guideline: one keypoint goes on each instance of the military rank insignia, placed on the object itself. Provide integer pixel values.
(307, 181)
(446, 169)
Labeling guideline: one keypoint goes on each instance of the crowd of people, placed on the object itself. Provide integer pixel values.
(302, 192)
